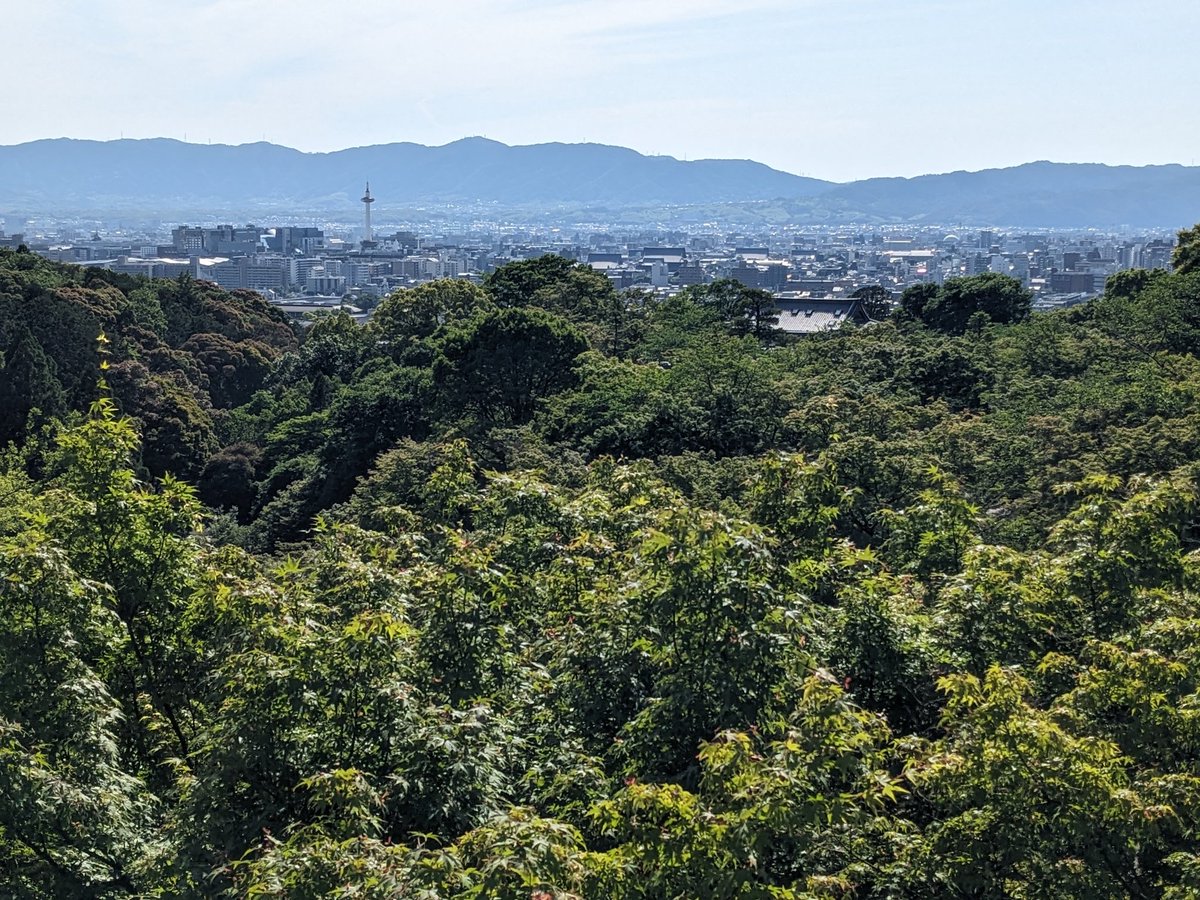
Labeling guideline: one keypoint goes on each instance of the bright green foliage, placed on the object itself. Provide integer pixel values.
(74, 821)
(776, 816)
(545, 591)
(95, 668)
(135, 539)
(1120, 540)
(716, 629)
(516, 856)
(1028, 808)
(1005, 607)
(930, 537)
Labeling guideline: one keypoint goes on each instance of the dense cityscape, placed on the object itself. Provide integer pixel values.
(307, 269)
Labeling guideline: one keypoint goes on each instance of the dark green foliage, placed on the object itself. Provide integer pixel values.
(28, 382)
(1186, 257)
(178, 430)
(501, 365)
(876, 300)
(406, 320)
(234, 370)
(517, 283)
(741, 310)
(1163, 315)
(334, 348)
(916, 298)
(180, 348)
(1131, 282)
(986, 298)
(951, 372)
(385, 404)
(229, 479)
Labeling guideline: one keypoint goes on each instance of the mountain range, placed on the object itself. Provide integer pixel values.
(591, 182)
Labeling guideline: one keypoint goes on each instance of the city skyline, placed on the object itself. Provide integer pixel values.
(835, 91)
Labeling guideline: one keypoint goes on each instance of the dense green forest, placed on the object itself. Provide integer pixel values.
(539, 590)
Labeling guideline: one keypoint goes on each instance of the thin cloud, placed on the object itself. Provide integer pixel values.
(825, 87)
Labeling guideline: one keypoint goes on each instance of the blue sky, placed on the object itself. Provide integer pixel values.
(828, 88)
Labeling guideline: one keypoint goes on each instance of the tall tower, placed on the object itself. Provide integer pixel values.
(367, 200)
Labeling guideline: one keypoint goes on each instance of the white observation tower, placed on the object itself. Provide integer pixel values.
(367, 200)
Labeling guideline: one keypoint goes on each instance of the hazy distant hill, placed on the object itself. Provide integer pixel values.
(92, 175)
(598, 181)
(1040, 193)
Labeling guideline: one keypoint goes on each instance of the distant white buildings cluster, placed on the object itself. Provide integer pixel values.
(832, 264)
(811, 271)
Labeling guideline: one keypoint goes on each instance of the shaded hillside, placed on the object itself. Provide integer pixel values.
(177, 353)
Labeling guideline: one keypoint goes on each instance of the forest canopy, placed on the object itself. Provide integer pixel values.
(533, 589)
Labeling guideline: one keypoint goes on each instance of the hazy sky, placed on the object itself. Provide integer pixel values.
(837, 89)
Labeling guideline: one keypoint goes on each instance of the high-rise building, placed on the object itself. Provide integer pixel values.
(289, 239)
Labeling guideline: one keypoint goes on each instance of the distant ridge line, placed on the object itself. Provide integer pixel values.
(77, 175)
